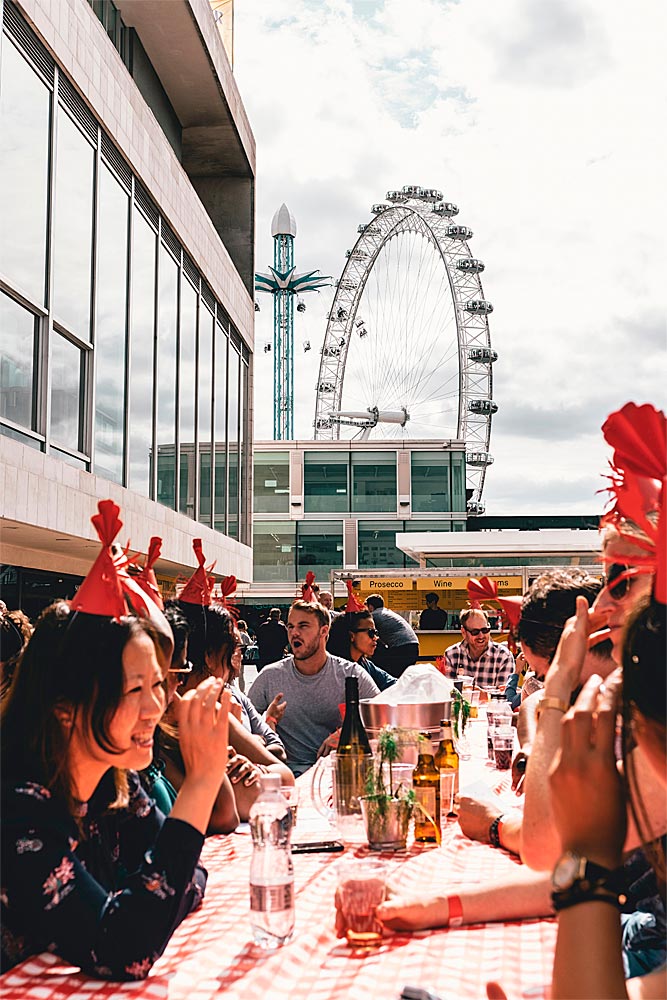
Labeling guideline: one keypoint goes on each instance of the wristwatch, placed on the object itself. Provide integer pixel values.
(575, 879)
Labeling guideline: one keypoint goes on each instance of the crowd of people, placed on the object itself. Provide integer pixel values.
(127, 738)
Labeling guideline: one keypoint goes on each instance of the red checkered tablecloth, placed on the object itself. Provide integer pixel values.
(212, 954)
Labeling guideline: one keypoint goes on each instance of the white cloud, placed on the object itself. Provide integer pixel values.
(541, 121)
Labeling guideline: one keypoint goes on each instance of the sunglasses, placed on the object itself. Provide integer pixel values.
(182, 672)
(372, 633)
(619, 579)
(478, 631)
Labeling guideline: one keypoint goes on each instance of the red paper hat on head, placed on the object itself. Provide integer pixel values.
(198, 588)
(101, 593)
(353, 602)
(638, 435)
(225, 596)
(307, 587)
(146, 577)
(487, 590)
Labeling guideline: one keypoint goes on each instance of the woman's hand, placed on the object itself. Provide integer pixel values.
(565, 670)
(203, 731)
(586, 789)
(239, 768)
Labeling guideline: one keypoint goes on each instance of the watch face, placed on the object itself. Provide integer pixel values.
(566, 871)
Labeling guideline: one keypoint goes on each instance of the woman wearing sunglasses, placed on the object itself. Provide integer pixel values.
(353, 636)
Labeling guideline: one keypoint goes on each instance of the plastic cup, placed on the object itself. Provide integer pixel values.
(503, 746)
(361, 889)
(291, 793)
(447, 788)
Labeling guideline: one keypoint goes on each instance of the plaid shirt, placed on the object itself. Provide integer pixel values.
(492, 668)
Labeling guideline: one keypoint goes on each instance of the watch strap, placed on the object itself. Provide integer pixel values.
(555, 703)
(494, 831)
(593, 894)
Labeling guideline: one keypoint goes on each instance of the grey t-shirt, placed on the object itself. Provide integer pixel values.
(312, 711)
(394, 630)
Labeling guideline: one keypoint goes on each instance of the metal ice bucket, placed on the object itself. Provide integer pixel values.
(422, 716)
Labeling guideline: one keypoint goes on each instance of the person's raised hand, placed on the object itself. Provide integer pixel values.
(276, 710)
(203, 731)
(240, 768)
(586, 789)
(565, 670)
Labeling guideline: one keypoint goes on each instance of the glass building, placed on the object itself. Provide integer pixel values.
(340, 506)
(126, 263)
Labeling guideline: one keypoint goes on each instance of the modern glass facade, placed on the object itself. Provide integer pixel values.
(271, 482)
(114, 349)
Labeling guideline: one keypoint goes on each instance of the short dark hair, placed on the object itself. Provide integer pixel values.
(548, 603)
(468, 612)
(313, 608)
(339, 643)
(180, 626)
(375, 601)
(429, 598)
(274, 612)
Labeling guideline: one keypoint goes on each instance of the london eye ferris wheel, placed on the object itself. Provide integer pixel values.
(407, 349)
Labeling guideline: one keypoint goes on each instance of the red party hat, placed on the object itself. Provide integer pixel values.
(353, 602)
(146, 577)
(225, 595)
(307, 587)
(198, 588)
(101, 593)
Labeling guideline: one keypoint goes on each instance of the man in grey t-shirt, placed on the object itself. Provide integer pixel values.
(312, 682)
(398, 647)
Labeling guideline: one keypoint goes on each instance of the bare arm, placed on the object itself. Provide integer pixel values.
(253, 748)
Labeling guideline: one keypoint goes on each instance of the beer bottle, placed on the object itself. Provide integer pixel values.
(354, 755)
(447, 760)
(426, 785)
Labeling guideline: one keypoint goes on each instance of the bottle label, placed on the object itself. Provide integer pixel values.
(426, 797)
(272, 898)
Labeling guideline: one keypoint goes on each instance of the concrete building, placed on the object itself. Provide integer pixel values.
(126, 277)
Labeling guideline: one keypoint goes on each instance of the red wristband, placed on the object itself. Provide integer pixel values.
(455, 911)
(271, 718)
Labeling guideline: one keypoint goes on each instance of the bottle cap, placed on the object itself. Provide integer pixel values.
(270, 782)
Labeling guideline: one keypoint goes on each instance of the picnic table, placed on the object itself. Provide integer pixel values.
(212, 955)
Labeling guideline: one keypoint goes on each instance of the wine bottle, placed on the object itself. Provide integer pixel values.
(353, 757)
(426, 784)
(447, 760)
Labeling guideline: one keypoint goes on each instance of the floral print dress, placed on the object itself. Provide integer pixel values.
(105, 894)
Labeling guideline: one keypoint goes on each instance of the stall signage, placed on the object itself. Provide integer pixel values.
(386, 583)
(445, 583)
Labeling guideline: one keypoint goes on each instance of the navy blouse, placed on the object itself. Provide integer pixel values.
(105, 894)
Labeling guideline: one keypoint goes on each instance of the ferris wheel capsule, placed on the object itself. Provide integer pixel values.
(476, 507)
(396, 196)
(446, 208)
(459, 232)
(479, 458)
(484, 407)
(412, 191)
(362, 227)
(470, 265)
(378, 208)
(478, 306)
(483, 355)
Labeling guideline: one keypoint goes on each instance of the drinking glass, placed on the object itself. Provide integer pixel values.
(291, 793)
(361, 888)
(503, 745)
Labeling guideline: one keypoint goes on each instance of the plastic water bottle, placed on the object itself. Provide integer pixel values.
(271, 870)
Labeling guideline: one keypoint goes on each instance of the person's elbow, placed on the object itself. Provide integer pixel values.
(224, 816)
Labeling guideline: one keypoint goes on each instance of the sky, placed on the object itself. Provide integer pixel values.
(541, 120)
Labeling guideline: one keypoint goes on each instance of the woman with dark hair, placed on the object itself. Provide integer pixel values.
(353, 636)
(91, 869)
(215, 650)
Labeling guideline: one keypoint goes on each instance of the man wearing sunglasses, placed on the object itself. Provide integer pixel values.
(489, 663)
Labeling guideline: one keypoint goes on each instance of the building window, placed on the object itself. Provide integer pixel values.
(142, 322)
(205, 400)
(67, 380)
(109, 15)
(187, 383)
(325, 483)
(166, 379)
(377, 545)
(271, 482)
(25, 113)
(431, 482)
(110, 326)
(221, 349)
(18, 378)
(274, 544)
(458, 481)
(373, 482)
(233, 400)
(73, 232)
(319, 548)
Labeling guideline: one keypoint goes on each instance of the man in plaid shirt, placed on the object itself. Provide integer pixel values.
(477, 655)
